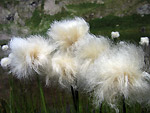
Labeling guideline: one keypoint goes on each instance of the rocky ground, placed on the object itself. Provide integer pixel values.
(13, 14)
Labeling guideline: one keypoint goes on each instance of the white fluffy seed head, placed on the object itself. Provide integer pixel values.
(5, 62)
(87, 51)
(118, 73)
(65, 66)
(29, 55)
(5, 47)
(115, 34)
(67, 32)
(10, 55)
(144, 41)
(91, 47)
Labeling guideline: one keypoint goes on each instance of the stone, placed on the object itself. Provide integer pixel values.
(4, 13)
(144, 9)
(51, 8)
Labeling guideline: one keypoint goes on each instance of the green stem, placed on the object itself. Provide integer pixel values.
(42, 95)
(100, 108)
(11, 94)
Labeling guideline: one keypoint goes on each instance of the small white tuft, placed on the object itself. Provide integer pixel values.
(87, 51)
(144, 41)
(91, 47)
(5, 62)
(115, 34)
(5, 47)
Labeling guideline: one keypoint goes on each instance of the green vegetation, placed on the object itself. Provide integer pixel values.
(6, 27)
(125, 22)
(131, 28)
(4, 3)
(82, 9)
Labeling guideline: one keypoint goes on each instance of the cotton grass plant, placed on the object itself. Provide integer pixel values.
(115, 34)
(65, 66)
(87, 51)
(144, 41)
(90, 47)
(87, 63)
(119, 73)
(29, 55)
(5, 47)
(67, 32)
(5, 62)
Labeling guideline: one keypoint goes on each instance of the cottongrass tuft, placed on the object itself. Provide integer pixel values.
(5, 62)
(5, 47)
(65, 66)
(87, 51)
(118, 73)
(91, 47)
(115, 34)
(29, 55)
(144, 41)
(67, 32)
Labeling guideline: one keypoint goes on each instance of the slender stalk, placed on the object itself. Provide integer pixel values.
(61, 100)
(75, 96)
(77, 100)
(146, 57)
(11, 101)
(100, 108)
(116, 40)
(124, 105)
(42, 95)
(11, 94)
(74, 100)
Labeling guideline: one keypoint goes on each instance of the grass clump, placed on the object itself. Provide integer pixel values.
(82, 9)
(4, 3)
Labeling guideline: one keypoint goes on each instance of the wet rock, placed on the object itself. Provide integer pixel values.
(51, 8)
(25, 31)
(3, 15)
(34, 3)
(144, 9)
(10, 17)
(4, 36)
(16, 18)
